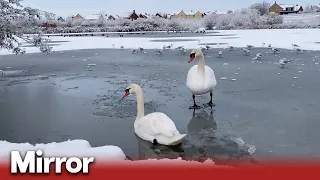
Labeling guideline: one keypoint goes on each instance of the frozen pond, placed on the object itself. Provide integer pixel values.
(264, 112)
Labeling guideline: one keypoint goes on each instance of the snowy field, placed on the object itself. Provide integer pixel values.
(280, 38)
(304, 18)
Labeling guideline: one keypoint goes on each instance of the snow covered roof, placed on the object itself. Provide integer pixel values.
(220, 12)
(190, 12)
(93, 17)
(124, 15)
(285, 6)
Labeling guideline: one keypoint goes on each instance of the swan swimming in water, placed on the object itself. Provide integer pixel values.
(156, 127)
(200, 79)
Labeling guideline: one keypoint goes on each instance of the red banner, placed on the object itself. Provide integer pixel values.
(185, 171)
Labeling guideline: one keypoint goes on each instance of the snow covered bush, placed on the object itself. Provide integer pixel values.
(14, 20)
(262, 8)
(224, 20)
(272, 18)
(209, 21)
(245, 17)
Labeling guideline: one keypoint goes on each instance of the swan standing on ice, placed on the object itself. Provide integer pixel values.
(200, 79)
(156, 127)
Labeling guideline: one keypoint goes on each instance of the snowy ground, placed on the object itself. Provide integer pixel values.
(280, 38)
(75, 95)
(304, 18)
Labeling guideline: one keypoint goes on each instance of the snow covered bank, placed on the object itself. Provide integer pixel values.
(82, 148)
(280, 38)
(78, 148)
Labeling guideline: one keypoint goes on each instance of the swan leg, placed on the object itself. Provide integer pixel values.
(195, 106)
(211, 104)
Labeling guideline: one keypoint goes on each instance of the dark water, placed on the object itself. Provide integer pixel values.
(260, 115)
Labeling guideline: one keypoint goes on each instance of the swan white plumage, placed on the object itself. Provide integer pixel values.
(200, 79)
(155, 127)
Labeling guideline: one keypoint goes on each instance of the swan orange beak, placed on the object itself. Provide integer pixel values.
(192, 56)
(125, 95)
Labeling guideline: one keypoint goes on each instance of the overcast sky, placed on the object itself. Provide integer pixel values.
(84, 7)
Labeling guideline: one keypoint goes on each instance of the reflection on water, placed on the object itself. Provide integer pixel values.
(204, 140)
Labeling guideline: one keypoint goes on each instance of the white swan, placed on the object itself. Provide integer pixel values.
(155, 127)
(201, 78)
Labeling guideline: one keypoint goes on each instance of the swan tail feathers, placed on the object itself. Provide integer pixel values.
(177, 139)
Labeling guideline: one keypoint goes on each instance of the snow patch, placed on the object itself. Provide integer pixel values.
(79, 148)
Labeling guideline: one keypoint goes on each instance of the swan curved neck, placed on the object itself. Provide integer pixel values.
(140, 104)
(201, 64)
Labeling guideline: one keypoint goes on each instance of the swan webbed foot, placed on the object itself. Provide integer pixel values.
(210, 104)
(195, 107)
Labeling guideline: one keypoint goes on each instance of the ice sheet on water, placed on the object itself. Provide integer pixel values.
(242, 143)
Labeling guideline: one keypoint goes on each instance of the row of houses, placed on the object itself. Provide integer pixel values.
(134, 16)
(275, 8)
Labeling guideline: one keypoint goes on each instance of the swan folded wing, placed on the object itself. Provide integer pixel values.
(161, 124)
(210, 78)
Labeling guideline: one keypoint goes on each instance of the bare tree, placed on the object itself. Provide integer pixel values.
(11, 13)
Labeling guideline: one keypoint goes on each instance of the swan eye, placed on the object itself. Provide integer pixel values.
(127, 90)
(192, 55)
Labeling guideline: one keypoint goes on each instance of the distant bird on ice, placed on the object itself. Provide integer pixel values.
(249, 46)
(159, 51)
(167, 47)
(182, 51)
(258, 56)
(269, 46)
(295, 46)
(220, 54)
(140, 49)
(121, 47)
(179, 47)
(246, 51)
(231, 48)
(275, 50)
(283, 62)
(133, 51)
(208, 47)
(298, 50)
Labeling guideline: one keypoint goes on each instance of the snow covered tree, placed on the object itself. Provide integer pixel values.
(272, 18)
(210, 21)
(229, 11)
(14, 20)
(224, 20)
(262, 7)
